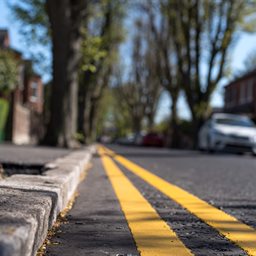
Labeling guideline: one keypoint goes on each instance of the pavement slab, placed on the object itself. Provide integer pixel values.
(26, 154)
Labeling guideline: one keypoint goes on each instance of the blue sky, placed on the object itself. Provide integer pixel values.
(6, 21)
(245, 45)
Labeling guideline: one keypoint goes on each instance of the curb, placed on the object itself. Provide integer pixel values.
(30, 204)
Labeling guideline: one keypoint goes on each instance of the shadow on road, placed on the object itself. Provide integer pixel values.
(169, 153)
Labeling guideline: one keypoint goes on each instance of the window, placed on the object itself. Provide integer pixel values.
(34, 91)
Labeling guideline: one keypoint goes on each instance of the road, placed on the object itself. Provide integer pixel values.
(193, 204)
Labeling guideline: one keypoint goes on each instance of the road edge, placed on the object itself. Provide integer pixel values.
(29, 204)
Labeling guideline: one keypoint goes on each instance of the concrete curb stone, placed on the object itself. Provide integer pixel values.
(29, 204)
(30, 207)
(15, 236)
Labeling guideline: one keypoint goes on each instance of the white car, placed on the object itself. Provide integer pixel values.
(227, 131)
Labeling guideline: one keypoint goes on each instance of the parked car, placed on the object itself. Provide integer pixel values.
(153, 139)
(127, 140)
(227, 131)
(134, 139)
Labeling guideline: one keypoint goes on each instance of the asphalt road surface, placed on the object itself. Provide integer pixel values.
(146, 201)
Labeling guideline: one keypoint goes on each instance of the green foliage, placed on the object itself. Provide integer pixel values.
(247, 20)
(8, 71)
(4, 108)
(104, 118)
(203, 33)
(79, 137)
(113, 115)
(121, 119)
(121, 114)
(92, 52)
(163, 125)
(102, 35)
(202, 109)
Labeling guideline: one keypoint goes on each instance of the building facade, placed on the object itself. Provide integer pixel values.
(240, 95)
(25, 101)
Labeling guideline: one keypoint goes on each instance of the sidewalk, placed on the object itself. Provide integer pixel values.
(30, 154)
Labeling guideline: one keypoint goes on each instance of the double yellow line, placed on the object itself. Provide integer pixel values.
(152, 235)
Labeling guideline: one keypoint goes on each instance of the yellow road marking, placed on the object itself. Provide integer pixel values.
(241, 234)
(152, 235)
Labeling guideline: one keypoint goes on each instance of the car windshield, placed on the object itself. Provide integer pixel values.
(235, 122)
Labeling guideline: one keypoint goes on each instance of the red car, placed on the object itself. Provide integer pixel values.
(153, 139)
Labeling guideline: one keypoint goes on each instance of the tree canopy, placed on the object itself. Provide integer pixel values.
(8, 71)
(180, 46)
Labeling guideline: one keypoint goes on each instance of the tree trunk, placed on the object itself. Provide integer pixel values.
(150, 119)
(93, 118)
(66, 41)
(174, 138)
(195, 127)
(136, 124)
(199, 117)
(197, 124)
(84, 104)
(86, 123)
(89, 127)
(81, 106)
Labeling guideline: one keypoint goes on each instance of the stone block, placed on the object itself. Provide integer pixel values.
(30, 210)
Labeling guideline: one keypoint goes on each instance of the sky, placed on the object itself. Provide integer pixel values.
(245, 45)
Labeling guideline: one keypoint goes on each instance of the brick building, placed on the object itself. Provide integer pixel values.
(240, 95)
(26, 100)
(33, 92)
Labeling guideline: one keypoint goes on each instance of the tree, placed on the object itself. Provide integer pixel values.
(85, 36)
(100, 53)
(131, 93)
(8, 72)
(35, 28)
(62, 22)
(129, 97)
(202, 33)
(8, 82)
(140, 93)
(166, 66)
(120, 115)
(66, 22)
(153, 88)
(150, 65)
(113, 118)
